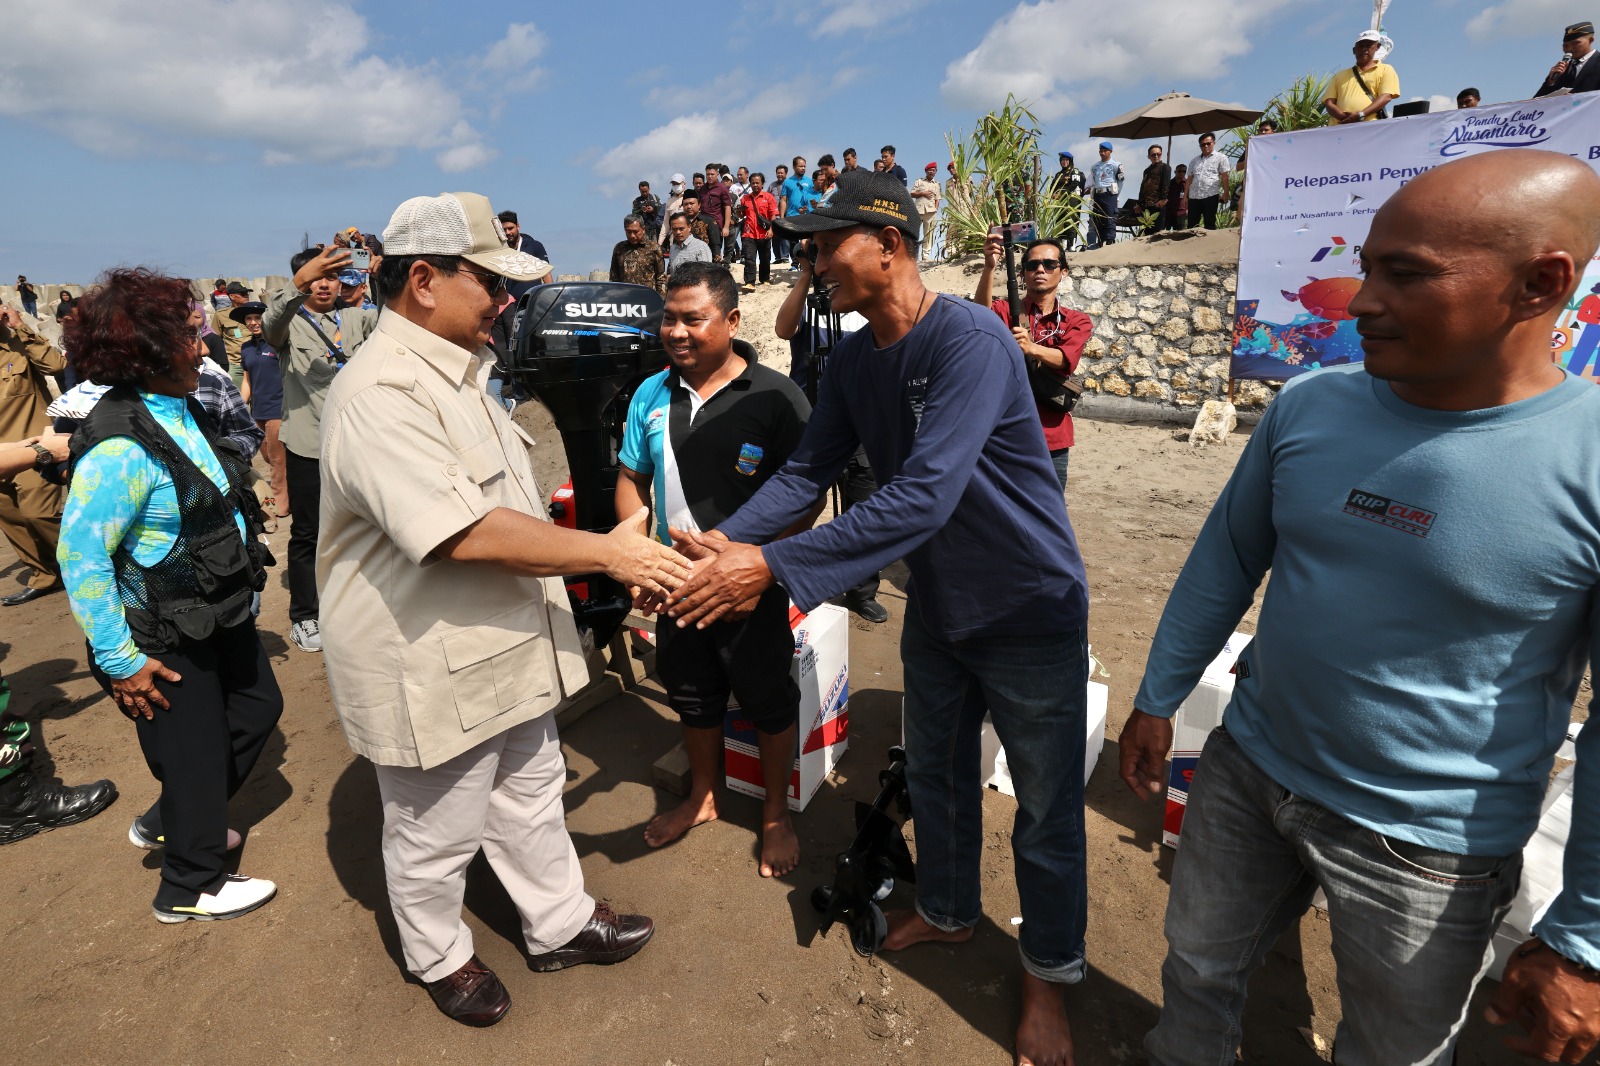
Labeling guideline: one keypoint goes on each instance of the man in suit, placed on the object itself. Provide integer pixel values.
(1581, 73)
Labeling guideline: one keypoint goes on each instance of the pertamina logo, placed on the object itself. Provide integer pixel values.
(1336, 248)
(1386, 512)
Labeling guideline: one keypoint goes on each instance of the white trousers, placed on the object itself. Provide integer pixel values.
(503, 796)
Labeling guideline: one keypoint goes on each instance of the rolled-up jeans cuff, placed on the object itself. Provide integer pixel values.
(1064, 973)
(948, 925)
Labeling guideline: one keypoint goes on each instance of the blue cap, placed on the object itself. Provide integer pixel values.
(1064, 154)
(350, 276)
(1105, 144)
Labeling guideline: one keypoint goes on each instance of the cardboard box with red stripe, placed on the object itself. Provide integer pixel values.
(821, 668)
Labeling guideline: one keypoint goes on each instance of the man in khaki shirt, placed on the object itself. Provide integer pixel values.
(447, 630)
(30, 506)
(313, 339)
(233, 333)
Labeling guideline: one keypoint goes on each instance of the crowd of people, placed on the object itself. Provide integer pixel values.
(1394, 720)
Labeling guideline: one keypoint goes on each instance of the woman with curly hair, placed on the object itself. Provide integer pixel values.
(161, 556)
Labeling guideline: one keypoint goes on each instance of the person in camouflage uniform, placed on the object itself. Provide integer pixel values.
(638, 260)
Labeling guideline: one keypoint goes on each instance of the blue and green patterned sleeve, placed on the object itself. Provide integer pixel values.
(110, 487)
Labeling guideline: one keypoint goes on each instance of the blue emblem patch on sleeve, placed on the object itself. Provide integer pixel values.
(749, 458)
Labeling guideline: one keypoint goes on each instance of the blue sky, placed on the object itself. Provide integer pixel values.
(206, 137)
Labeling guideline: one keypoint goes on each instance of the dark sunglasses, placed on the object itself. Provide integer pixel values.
(1042, 264)
(494, 283)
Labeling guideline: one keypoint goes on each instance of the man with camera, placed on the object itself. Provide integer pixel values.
(804, 319)
(314, 338)
(1051, 337)
(759, 210)
(935, 390)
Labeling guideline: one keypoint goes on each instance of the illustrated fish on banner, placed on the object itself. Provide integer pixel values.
(1311, 198)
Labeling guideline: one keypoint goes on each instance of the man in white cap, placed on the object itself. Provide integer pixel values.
(447, 630)
(1360, 93)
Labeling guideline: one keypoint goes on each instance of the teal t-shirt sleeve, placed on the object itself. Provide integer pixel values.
(110, 486)
(1219, 579)
(1571, 925)
(635, 452)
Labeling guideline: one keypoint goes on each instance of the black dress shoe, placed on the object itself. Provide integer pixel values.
(29, 805)
(608, 937)
(871, 610)
(27, 594)
(472, 995)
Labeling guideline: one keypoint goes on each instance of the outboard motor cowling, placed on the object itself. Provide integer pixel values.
(581, 348)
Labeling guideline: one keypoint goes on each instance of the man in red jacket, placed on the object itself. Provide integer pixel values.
(1052, 336)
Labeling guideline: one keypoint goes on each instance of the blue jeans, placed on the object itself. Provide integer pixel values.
(1411, 925)
(1058, 459)
(501, 393)
(1034, 688)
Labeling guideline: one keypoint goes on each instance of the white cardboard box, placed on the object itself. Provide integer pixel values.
(1197, 716)
(996, 772)
(821, 668)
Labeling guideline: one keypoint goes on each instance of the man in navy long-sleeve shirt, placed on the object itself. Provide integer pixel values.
(935, 391)
(1432, 524)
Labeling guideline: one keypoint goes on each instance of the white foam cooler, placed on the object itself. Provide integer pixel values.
(996, 772)
(821, 668)
(1197, 716)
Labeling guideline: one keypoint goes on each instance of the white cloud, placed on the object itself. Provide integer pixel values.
(742, 136)
(296, 80)
(464, 157)
(855, 16)
(508, 63)
(1522, 18)
(1120, 41)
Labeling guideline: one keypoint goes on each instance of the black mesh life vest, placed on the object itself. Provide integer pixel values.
(209, 578)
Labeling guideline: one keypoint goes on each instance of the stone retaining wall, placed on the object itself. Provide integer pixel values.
(1161, 341)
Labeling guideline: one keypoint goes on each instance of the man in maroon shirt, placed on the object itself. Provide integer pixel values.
(716, 203)
(1051, 335)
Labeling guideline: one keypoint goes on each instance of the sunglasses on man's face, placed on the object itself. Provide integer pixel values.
(1042, 264)
(494, 283)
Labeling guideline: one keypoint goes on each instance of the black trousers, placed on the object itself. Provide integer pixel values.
(202, 749)
(305, 490)
(757, 250)
(749, 659)
(855, 485)
(1203, 209)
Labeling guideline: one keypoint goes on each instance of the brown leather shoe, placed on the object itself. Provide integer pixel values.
(608, 937)
(472, 995)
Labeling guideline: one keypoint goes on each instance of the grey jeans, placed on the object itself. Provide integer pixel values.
(1411, 925)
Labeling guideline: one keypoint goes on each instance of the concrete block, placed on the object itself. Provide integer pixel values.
(671, 772)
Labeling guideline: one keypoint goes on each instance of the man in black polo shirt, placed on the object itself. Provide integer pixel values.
(701, 437)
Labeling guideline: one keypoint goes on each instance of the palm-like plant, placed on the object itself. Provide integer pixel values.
(1299, 107)
(1000, 159)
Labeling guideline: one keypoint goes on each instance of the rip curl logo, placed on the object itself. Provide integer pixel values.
(1520, 129)
(1336, 248)
(1405, 517)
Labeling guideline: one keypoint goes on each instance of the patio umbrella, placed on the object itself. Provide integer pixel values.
(1175, 113)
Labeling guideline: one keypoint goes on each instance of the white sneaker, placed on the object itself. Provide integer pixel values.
(235, 896)
(307, 636)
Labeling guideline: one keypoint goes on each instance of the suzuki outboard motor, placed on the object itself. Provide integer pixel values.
(582, 347)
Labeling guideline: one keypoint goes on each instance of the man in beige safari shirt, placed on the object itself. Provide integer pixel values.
(447, 630)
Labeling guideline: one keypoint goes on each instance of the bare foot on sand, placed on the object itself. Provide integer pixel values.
(1043, 1036)
(907, 928)
(665, 828)
(780, 847)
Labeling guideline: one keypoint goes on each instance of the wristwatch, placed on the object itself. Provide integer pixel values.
(45, 456)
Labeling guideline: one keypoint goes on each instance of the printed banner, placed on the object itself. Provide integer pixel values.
(1311, 196)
